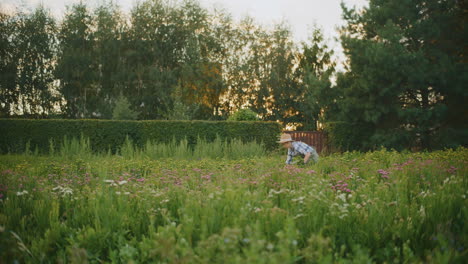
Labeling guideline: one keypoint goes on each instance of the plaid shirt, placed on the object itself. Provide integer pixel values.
(300, 148)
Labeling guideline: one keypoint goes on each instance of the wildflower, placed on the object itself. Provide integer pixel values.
(141, 180)
(384, 174)
(342, 197)
(299, 199)
(207, 176)
(452, 170)
(108, 181)
(122, 182)
(298, 216)
(270, 246)
(24, 192)
(63, 191)
(422, 212)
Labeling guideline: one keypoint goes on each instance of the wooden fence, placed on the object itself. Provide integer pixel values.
(316, 139)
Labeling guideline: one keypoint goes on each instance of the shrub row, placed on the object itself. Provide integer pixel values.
(110, 134)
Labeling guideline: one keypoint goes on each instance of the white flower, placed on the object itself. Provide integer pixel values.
(63, 190)
(298, 216)
(67, 191)
(24, 192)
(342, 197)
(299, 199)
(109, 181)
(343, 216)
(270, 246)
(422, 212)
(122, 182)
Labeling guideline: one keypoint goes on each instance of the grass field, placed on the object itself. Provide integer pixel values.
(383, 206)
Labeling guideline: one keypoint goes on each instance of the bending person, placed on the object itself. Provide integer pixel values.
(296, 148)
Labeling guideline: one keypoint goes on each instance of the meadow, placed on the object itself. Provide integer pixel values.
(231, 204)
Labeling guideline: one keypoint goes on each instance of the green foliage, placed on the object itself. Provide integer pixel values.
(243, 115)
(107, 135)
(315, 69)
(171, 60)
(28, 47)
(75, 64)
(404, 85)
(381, 206)
(122, 110)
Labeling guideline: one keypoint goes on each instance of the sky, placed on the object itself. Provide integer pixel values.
(300, 14)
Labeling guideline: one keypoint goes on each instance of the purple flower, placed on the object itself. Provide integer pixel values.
(383, 173)
(452, 170)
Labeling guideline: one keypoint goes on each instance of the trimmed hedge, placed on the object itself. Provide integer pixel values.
(110, 134)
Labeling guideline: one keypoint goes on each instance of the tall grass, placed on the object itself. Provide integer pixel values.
(73, 147)
(216, 149)
(381, 207)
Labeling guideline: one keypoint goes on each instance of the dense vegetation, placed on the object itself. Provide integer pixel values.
(46, 136)
(384, 206)
(403, 85)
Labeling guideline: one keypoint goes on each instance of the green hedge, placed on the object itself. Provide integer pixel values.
(110, 134)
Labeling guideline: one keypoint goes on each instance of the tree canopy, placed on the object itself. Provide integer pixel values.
(403, 85)
(405, 82)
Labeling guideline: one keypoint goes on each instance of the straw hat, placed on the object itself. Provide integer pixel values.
(285, 138)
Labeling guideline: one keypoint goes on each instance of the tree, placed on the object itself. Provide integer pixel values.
(28, 42)
(244, 115)
(108, 58)
(75, 64)
(316, 68)
(122, 110)
(37, 45)
(405, 75)
(9, 95)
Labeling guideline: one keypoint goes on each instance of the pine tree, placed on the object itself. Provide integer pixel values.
(406, 75)
(122, 110)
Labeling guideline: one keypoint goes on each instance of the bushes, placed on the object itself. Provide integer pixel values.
(110, 134)
(244, 115)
